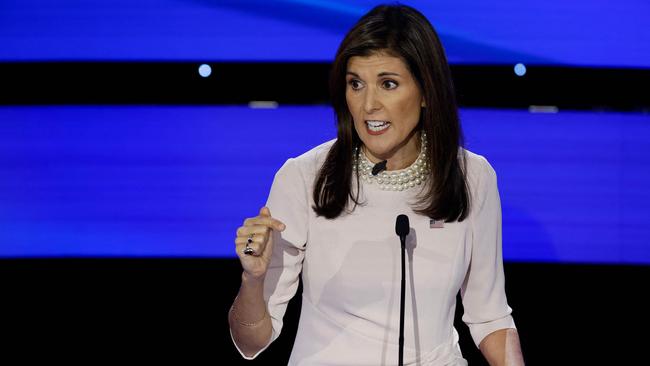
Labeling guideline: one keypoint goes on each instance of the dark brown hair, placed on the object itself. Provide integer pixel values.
(400, 31)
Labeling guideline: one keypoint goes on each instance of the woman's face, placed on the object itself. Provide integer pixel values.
(384, 100)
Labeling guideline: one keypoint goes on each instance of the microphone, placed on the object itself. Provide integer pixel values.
(402, 228)
(379, 167)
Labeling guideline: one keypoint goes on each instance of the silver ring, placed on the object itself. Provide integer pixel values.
(248, 250)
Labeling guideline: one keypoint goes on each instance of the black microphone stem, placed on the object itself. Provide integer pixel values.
(402, 229)
(401, 305)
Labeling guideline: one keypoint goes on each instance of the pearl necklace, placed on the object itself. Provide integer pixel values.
(396, 180)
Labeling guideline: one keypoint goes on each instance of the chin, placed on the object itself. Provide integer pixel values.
(379, 145)
(380, 150)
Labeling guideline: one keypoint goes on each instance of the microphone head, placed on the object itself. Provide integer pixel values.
(379, 167)
(402, 226)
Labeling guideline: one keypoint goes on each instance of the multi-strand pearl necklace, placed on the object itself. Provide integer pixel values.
(396, 180)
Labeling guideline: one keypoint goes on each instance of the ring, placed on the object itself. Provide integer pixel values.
(248, 250)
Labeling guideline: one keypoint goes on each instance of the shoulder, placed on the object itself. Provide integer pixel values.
(478, 167)
(481, 176)
(316, 156)
(306, 165)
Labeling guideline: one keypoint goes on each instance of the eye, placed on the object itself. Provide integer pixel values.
(355, 84)
(389, 84)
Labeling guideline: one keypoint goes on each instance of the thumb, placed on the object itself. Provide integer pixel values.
(277, 224)
(264, 211)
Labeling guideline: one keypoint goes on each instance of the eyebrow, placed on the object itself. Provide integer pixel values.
(384, 73)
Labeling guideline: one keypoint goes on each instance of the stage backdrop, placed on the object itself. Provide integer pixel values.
(159, 181)
(599, 33)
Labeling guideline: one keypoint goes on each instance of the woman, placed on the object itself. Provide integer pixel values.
(330, 218)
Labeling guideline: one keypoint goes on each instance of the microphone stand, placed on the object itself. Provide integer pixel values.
(401, 305)
(402, 229)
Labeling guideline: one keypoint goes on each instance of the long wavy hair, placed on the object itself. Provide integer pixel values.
(400, 31)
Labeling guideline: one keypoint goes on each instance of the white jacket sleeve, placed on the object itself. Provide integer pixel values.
(483, 291)
(288, 202)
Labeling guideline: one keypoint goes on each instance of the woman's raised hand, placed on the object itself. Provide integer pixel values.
(254, 243)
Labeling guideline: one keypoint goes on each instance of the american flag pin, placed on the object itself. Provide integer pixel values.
(435, 224)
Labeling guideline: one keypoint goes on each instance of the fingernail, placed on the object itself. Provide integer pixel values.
(282, 226)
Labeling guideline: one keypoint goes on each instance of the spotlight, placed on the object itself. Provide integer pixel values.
(520, 69)
(205, 70)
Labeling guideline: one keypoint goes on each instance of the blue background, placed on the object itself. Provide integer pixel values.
(598, 33)
(178, 180)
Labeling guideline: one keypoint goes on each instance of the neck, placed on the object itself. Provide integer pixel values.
(403, 157)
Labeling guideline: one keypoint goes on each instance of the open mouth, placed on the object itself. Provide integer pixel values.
(376, 125)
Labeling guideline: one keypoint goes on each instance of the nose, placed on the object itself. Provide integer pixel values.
(371, 102)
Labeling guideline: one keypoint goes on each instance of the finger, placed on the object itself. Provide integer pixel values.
(256, 229)
(257, 245)
(252, 229)
(270, 222)
(254, 238)
(253, 220)
(258, 234)
(251, 250)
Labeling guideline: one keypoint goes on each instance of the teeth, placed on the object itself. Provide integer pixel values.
(377, 125)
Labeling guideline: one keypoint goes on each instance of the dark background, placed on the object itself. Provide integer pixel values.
(161, 310)
(105, 83)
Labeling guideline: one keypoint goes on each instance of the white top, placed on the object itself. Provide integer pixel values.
(351, 271)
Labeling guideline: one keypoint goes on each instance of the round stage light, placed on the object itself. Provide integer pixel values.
(205, 70)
